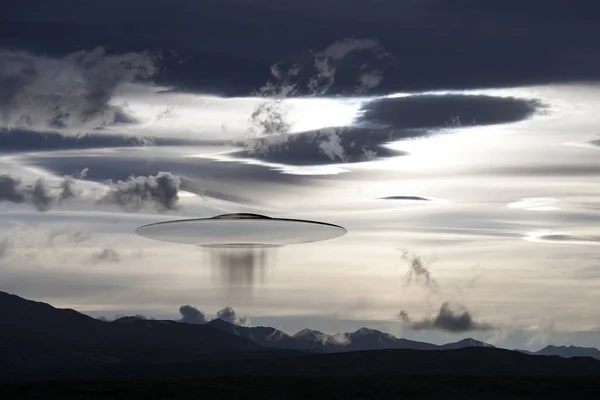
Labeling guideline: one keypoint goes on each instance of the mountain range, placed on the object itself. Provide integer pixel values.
(364, 339)
(38, 341)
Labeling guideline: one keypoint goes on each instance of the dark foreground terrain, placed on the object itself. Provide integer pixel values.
(374, 387)
(48, 353)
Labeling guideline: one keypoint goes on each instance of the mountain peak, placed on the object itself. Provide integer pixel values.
(364, 331)
(308, 332)
(468, 342)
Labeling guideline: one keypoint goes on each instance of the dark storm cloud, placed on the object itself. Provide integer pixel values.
(447, 320)
(131, 194)
(437, 111)
(438, 43)
(191, 315)
(326, 146)
(18, 140)
(72, 93)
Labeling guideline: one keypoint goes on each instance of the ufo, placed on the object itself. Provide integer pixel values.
(242, 230)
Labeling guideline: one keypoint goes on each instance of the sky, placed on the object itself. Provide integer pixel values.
(456, 142)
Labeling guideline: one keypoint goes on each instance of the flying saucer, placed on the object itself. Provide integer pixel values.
(241, 231)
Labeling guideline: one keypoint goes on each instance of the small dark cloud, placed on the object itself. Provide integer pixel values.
(138, 191)
(408, 198)
(447, 320)
(41, 196)
(10, 189)
(567, 238)
(107, 255)
(595, 142)
(404, 316)
(191, 315)
(571, 238)
(418, 271)
(228, 314)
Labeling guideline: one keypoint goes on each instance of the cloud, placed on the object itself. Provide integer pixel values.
(405, 198)
(542, 332)
(447, 320)
(379, 122)
(23, 244)
(71, 235)
(268, 125)
(323, 146)
(328, 60)
(40, 195)
(191, 315)
(404, 316)
(228, 314)
(132, 194)
(331, 145)
(418, 271)
(490, 47)
(107, 255)
(138, 191)
(448, 110)
(71, 94)
(19, 140)
(6, 246)
(563, 237)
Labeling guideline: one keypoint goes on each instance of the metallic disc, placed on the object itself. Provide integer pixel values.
(241, 231)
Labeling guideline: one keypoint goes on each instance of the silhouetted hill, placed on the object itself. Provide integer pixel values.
(37, 336)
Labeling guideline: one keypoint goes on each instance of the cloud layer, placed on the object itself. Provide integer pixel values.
(491, 46)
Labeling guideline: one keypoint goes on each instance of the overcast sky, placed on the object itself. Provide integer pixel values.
(455, 140)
